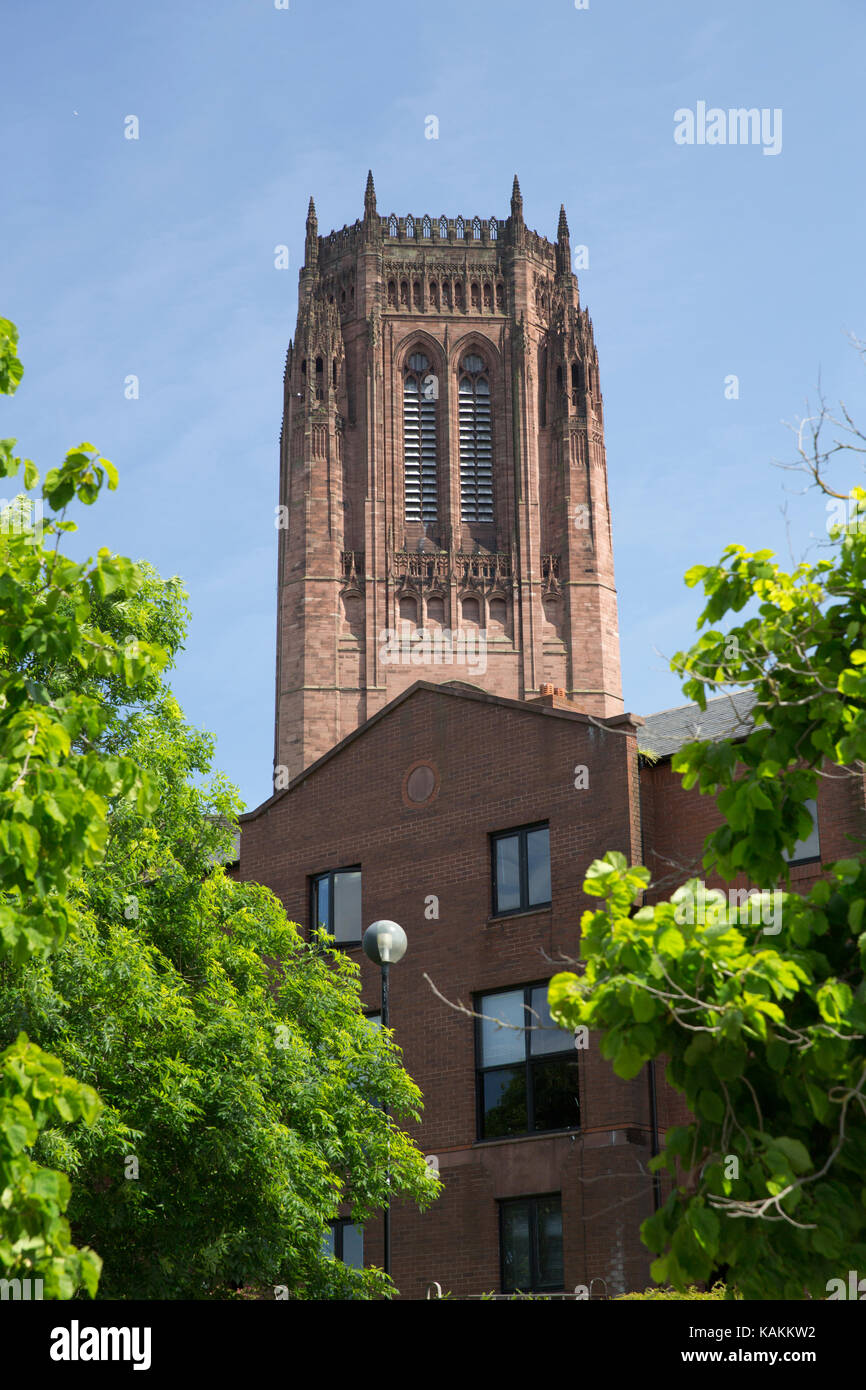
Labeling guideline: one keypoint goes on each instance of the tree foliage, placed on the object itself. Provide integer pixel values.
(241, 1089)
(55, 790)
(763, 1026)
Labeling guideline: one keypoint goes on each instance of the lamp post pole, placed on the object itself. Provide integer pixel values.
(386, 1215)
(385, 944)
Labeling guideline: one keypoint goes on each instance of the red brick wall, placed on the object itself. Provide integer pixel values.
(500, 765)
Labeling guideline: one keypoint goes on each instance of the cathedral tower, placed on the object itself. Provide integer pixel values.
(443, 488)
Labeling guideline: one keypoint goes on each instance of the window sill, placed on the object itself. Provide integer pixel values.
(527, 1138)
(526, 912)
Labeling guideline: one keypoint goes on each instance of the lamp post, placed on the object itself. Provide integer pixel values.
(385, 944)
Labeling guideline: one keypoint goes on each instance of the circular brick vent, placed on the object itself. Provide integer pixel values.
(420, 784)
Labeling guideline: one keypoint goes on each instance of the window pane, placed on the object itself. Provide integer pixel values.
(546, 1036)
(516, 1268)
(555, 1094)
(347, 906)
(323, 903)
(374, 1020)
(504, 1099)
(538, 861)
(548, 1211)
(353, 1246)
(507, 873)
(328, 1242)
(809, 848)
(501, 1045)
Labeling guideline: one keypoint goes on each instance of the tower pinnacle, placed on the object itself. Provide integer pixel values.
(311, 246)
(563, 245)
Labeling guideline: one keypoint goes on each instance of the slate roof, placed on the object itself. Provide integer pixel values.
(726, 716)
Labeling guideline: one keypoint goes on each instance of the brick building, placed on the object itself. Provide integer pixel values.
(451, 749)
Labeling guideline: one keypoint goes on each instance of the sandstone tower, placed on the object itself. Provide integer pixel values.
(442, 475)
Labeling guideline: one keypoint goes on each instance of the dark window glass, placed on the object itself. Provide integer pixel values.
(507, 874)
(521, 870)
(345, 1241)
(337, 904)
(538, 865)
(531, 1244)
(527, 1067)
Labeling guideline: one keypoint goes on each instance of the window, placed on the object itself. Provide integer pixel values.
(810, 848)
(345, 1242)
(498, 612)
(476, 441)
(436, 611)
(337, 904)
(530, 1244)
(419, 440)
(471, 611)
(521, 870)
(527, 1080)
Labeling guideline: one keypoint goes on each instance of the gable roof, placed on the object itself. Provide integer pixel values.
(545, 707)
(726, 716)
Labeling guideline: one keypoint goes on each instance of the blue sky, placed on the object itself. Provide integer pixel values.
(155, 257)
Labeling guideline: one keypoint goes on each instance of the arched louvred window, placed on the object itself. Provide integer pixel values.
(426, 227)
(410, 225)
(459, 227)
(320, 379)
(476, 441)
(443, 228)
(419, 440)
(476, 229)
(494, 229)
(392, 225)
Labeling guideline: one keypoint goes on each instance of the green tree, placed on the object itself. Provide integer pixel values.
(55, 789)
(241, 1085)
(761, 1013)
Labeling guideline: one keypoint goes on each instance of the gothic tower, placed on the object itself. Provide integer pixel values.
(443, 487)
